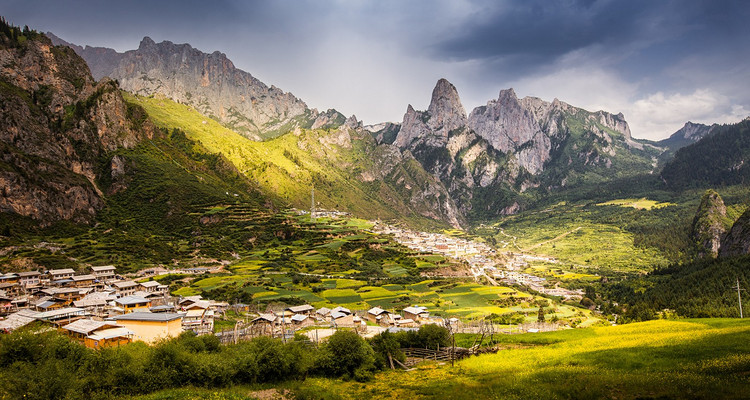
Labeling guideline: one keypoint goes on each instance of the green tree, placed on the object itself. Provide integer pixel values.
(383, 345)
(346, 354)
(434, 336)
(540, 315)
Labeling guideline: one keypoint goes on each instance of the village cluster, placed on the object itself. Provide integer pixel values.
(103, 309)
(480, 257)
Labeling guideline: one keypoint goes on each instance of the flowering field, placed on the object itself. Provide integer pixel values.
(658, 359)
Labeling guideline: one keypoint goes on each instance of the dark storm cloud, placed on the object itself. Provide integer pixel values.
(522, 35)
(540, 30)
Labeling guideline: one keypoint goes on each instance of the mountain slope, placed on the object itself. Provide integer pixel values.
(208, 82)
(348, 170)
(719, 159)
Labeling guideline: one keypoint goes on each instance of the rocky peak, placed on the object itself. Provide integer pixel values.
(509, 127)
(446, 111)
(709, 224)
(616, 122)
(432, 127)
(146, 42)
(58, 122)
(693, 132)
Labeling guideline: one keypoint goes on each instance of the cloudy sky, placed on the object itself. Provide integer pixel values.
(661, 63)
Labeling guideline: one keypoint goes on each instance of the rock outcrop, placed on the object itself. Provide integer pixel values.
(56, 123)
(709, 224)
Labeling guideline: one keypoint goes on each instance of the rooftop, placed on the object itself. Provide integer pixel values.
(148, 316)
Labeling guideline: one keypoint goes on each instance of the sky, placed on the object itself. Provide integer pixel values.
(659, 62)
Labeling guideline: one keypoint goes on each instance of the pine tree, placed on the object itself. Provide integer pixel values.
(540, 317)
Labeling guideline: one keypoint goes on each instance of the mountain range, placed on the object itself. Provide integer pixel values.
(442, 164)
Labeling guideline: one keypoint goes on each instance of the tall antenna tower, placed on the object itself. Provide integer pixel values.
(739, 296)
(312, 205)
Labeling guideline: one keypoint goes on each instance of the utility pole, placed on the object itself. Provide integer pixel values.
(739, 296)
(312, 205)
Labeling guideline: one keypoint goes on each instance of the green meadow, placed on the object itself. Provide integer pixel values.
(657, 359)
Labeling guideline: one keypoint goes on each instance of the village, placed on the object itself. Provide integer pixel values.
(103, 309)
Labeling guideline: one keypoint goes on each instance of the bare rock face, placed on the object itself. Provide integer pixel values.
(56, 123)
(208, 82)
(510, 128)
(432, 127)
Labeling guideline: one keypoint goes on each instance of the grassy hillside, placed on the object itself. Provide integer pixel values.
(289, 166)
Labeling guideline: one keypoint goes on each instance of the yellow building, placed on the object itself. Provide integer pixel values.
(151, 327)
(97, 334)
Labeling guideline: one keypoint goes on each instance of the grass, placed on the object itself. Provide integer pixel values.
(657, 359)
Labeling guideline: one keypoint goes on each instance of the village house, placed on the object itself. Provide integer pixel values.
(15, 321)
(131, 304)
(323, 314)
(11, 288)
(416, 313)
(199, 320)
(151, 327)
(342, 320)
(98, 334)
(9, 278)
(378, 316)
(83, 280)
(59, 316)
(125, 288)
(301, 321)
(104, 273)
(264, 324)
(57, 275)
(405, 323)
(154, 287)
(30, 279)
(304, 309)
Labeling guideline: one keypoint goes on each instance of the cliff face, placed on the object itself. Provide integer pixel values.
(511, 128)
(208, 82)
(56, 123)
